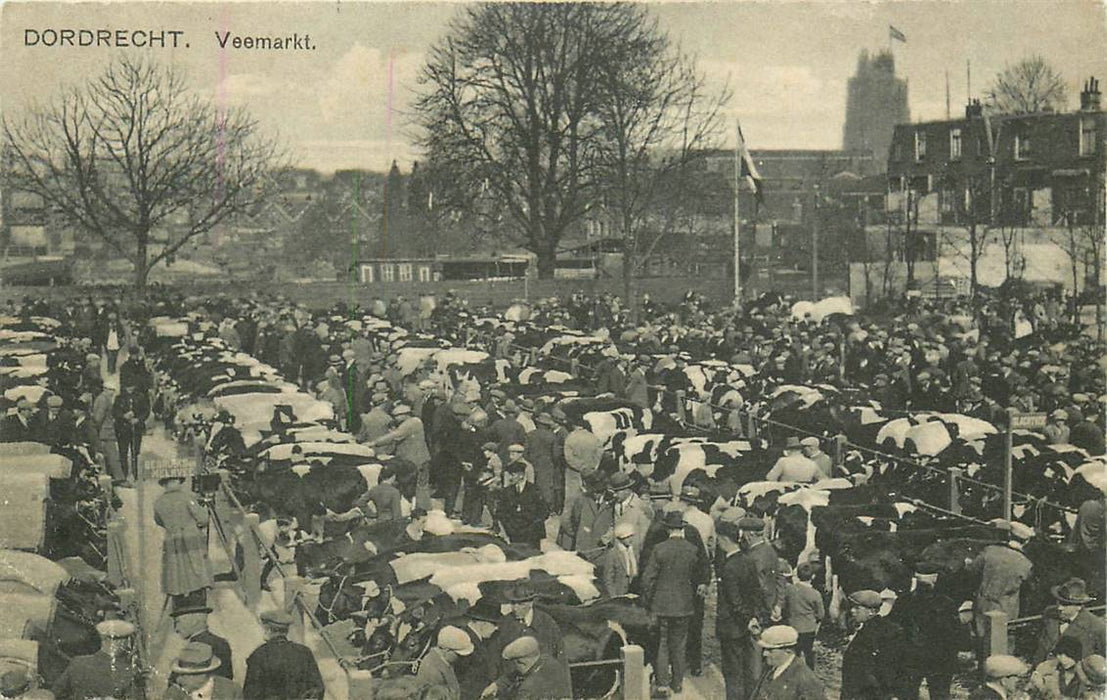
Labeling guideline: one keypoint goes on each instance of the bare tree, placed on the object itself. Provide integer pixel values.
(134, 152)
(656, 116)
(1029, 86)
(508, 99)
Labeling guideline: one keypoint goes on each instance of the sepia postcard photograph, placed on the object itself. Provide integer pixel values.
(523, 350)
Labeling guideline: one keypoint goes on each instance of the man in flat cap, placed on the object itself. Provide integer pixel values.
(375, 420)
(675, 574)
(1002, 570)
(409, 441)
(19, 425)
(785, 677)
(533, 675)
(520, 510)
(437, 667)
(1070, 618)
(195, 675)
(929, 622)
(280, 669)
(813, 451)
(1002, 674)
(110, 672)
(872, 664)
(793, 465)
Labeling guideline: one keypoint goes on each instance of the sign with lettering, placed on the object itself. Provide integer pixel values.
(1028, 421)
(154, 469)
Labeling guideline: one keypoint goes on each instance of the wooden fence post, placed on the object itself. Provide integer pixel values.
(1008, 476)
(251, 559)
(574, 367)
(117, 552)
(751, 427)
(680, 410)
(635, 682)
(359, 684)
(839, 451)
(954, 490)
(995, 632)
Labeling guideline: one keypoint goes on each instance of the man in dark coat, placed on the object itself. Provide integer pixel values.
(929, 622)
(1070, 617)
(1002, 674)
(133, 371)
(525, 620)
(873, 662)
(480, 668)
(785, 676)
(674, 575)
(543, 454)
(19, 426)
(130, 411)
(746, 598)
(519, 508)
(280, 669)
(192, 625)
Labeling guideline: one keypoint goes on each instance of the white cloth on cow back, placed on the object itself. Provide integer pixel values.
(27, 573)
(456, 580)
(25, 448)
(48, 465)
(1095, 473)
(832, 305)
(31, 392)
(19, 655)
(929, 438)
(23, 510)
(22, 613)
(802, 308)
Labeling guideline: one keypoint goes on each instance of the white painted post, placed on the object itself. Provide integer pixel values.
(680, 410)
(636, 684)
(293, 586)
(995, 632)
(1007, 470)
(954, 490)
(251, 561)
(117, 551)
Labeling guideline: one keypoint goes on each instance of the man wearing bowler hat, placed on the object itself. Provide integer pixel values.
(785, 677)
(872, 664)
(929, 622)
(525, 620)
(195, 675)
(1070, 618)
(675, 574)
(110, 672)
(192, 624)
(480, 668)
(280, 669)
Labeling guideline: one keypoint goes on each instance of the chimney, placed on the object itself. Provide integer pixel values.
(974, 109)
(1089, 96)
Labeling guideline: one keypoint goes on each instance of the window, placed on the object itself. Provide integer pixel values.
(367, 274)
(1088, 136)
(1022, 146)
(388, 272)
(955, 143)
(920, 145)
(897, 151)
(424, 273)
(405, 272)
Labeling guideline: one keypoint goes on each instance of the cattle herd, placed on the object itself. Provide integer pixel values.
(689, 402)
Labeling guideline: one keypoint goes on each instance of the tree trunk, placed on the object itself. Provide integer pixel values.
(630, 292)
(142, 268)
(547, 262)
(974, 256)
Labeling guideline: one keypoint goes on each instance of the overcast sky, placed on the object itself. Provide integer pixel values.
(346, 103)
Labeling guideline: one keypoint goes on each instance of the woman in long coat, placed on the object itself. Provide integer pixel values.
(184, 564)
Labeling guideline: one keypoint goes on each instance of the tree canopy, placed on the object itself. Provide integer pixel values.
(1029, 86)
(136, 158)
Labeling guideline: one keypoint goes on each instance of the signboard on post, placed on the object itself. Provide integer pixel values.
(1028, 421)
(154, 469)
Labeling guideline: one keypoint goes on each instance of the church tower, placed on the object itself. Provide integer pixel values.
(876, 100)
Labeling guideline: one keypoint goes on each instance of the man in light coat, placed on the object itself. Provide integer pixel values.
(437, 667)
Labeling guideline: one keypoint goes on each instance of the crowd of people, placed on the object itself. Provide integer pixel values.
(500, 462)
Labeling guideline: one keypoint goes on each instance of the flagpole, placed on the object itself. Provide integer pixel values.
(737, 237)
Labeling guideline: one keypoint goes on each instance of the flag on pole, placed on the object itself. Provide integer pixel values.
(747, 168)
(896, 34)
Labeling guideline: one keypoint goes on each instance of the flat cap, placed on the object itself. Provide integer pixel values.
(277, 618)
(778, 637)
(1004, 666)
(115, 629)
(453, 639)
(490, 447)
(624, 530)
(521, 648)
(401, 410)
(1095, 668)
(810, 441)
(427, 384)
(54, 401)
(516, 447)
(866, 599)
